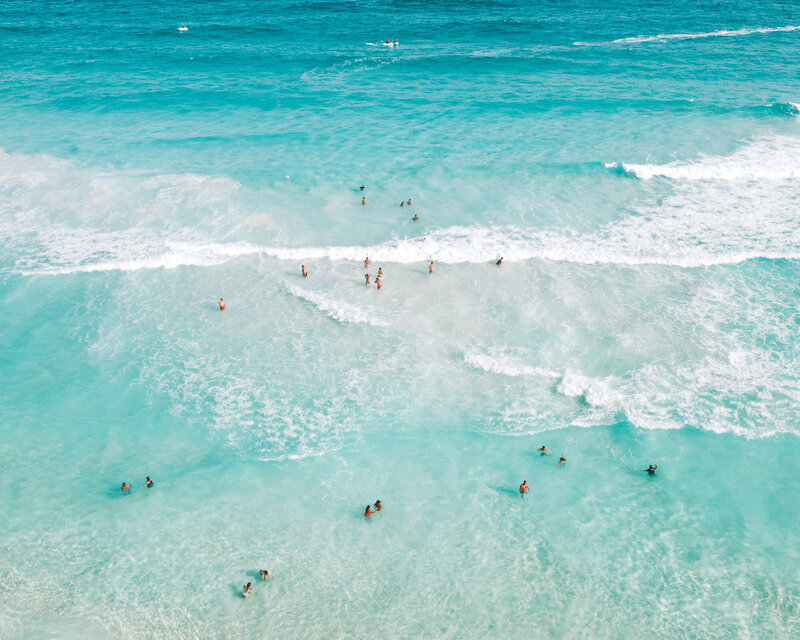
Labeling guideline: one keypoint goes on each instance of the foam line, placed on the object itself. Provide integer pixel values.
(725, 33)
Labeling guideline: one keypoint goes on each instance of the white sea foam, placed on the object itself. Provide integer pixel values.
(505, 365)
(596, 393)
(691, 36)
(336, 309)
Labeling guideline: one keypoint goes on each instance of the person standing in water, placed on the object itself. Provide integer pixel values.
(125, 487)
(651, 470)
(247, 591)
(148, 482)
(378, 283)
(221, 304)
(362, 187)
(415, 218)
(430, 267)
(367, 276)
(561, 460)
(524, 488)
(377, 506)
(543, 451)
(500, 261)
(366, 261)
(363, 201)
(409, 202)
(266, 574)
(368, 512)
(303, 270)
(380, 271)
(402, 204)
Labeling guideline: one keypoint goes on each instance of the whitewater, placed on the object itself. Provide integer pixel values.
(642, 191)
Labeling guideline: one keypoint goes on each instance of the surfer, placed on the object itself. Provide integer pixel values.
(247, 590)
(651, 470)
(524, 488)
(266, 574)
(499, 262)
(148, 482)
(377, 506)
(221, 304)
(430, 267)
(561, 460)
(415, 218)
(367, 276)
(303, 270)
(367, 512)
(543, 450)
(125, 487)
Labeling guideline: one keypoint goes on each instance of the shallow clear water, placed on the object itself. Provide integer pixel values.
(636, 166)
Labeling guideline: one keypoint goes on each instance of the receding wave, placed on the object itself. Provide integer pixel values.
(336, 309)
(724, 33)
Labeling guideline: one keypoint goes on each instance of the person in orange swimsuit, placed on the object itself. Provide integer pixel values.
(368, 512)
(378, 283)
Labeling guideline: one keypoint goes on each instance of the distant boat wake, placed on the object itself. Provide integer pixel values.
(690, 36)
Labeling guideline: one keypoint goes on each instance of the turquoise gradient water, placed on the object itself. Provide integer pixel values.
(636, 166)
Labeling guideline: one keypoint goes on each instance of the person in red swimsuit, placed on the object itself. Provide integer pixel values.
(221, 304)
(368, 512)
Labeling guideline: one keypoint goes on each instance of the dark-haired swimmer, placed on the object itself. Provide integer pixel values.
(377, 506)
(561, 460)
(543, 450)
(368, 512)
(651, 470)
(524, 488)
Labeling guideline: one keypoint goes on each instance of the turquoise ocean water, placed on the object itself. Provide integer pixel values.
(637, 165)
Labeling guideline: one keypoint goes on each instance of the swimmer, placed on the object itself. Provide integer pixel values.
(221, 304)
(363, 201)
(403, 203)
(499, 262)
(524, 488)
(380, 271)
(395, 40)
(266, 574)
(430, 267)
(415, 218)
(367, 276)
(378, 283)
(409, 202)
(377, 506)
(247, 590)
(303, 270)
(366, 261)
(651, 470)
(125, 487)
(543, 450)
(362, 187)
(148, 482)
(367, 512)
(561, 460)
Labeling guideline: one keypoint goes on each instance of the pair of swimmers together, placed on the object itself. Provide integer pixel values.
(247, 590)
(377, 507)
(147, 483)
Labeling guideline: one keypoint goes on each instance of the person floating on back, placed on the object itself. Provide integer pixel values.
(561, 460)
(499, 262)
(221, 304)
(377, 506)
(266, 574)
(247, 591)
(368, 512)
(524, 488)
(303, 270)
(543, 450)
(367, 276)
(651, 470)
(125, 487)
(148, 482)
(430, 267)
(415, 218)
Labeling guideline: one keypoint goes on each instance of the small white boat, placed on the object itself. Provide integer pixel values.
(183, 28)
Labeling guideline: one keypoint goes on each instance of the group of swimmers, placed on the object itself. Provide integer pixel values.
(544, 451)
(148, 482)
(403, 203)
(247, 590)
(376, 508)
